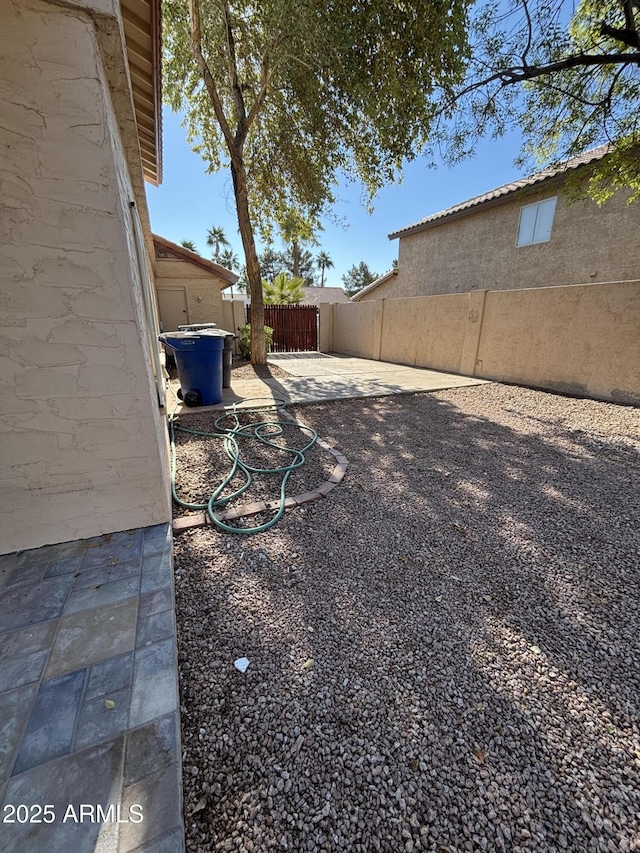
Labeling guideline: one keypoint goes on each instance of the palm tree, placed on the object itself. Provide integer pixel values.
(229, 260)
(216, 238)
(296, 229)
(323, 262)
(283, 291)
(189, 244)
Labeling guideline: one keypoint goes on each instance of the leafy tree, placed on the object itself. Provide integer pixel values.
(189, 244)
(283, 290)
(216, 238)
(357, 277)
(305, 264)
(288, 95)
(323, 262)
(569, 76)
(272, 263)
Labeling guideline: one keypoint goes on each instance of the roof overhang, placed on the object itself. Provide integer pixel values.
(142, 28)
(168, 250)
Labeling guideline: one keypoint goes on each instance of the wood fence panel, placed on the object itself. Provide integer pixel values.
(295, 327)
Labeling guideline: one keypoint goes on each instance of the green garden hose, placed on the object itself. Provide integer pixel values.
(232, 438)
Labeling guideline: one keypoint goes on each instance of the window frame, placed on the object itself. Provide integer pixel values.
(553, 200)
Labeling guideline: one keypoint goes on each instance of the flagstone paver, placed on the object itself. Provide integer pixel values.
(89, 712)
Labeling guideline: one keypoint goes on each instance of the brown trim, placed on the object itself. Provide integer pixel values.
(156, 52)
(182, 254)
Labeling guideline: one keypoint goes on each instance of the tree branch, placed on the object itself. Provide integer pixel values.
(212, 89)
(521, 73)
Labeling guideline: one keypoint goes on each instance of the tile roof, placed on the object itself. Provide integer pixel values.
(176, 251)
(321, 295)
(497, 195)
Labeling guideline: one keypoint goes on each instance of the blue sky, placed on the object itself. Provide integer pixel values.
(189, 201)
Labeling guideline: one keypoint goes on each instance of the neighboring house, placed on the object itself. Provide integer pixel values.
(323, 295)
(528, 233)
(189, 287)
(387, 279)
(84, 448)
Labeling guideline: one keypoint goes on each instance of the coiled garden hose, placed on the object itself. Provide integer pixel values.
(262, 432)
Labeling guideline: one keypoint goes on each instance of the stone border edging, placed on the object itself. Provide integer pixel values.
(201, 519)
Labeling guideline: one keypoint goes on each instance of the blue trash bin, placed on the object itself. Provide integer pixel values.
(199, 361)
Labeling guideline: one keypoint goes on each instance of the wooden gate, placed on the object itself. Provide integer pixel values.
(295, 327)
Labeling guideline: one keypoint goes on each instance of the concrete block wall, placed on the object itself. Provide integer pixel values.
(579, 339)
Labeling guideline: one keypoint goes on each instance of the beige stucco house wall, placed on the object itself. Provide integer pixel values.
(82, 444)
(188, 286)
(473, 246)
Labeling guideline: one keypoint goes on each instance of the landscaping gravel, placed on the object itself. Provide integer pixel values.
(443, 654)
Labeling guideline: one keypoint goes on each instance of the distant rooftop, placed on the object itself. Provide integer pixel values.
(321, 295)
(497, 195)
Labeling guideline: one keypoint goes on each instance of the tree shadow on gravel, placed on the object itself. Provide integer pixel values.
(469, 595)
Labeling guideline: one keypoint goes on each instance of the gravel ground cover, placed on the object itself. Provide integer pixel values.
(202, 463)
(469, 598)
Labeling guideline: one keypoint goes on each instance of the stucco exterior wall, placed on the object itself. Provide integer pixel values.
(203, 289)
(478, 251)
(579, 339)
(83, 441)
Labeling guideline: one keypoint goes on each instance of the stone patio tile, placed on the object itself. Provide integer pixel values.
(103, 593)
(109, 676)
(24, 605)
(31, 573)
(155, 627)
(171, 843)
(90, 636)
(63, 550)
(50, 730)
(97, 722)
(14, 713)
(156, 539)
(68, 565)
(156, 572)
(155, 602)
(31, 638)
(90, 776)
(152, 747)
(112, 553)
(22, 670)
(159, 795)
(86, 578)
(154, 691)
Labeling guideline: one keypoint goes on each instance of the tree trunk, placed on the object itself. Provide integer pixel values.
(295, 251)
(258, 345)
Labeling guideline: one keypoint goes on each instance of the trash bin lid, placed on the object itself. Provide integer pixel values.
(196, 327)
(185, 341)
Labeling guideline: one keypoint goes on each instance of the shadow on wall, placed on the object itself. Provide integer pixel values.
(480, 575)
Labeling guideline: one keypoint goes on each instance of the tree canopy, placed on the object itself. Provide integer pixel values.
(568, 74)
(291, 94)
(357, 277)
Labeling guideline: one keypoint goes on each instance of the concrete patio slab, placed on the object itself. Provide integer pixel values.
(318, 377)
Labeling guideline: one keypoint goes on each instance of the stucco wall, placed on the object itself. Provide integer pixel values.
(83, 440)
(478, 252)
(580, 339)
(204, 300)
(354, 327)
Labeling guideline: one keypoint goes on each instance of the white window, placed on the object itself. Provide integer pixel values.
(535, 222)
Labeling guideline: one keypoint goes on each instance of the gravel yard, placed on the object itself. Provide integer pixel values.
(469, 597)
